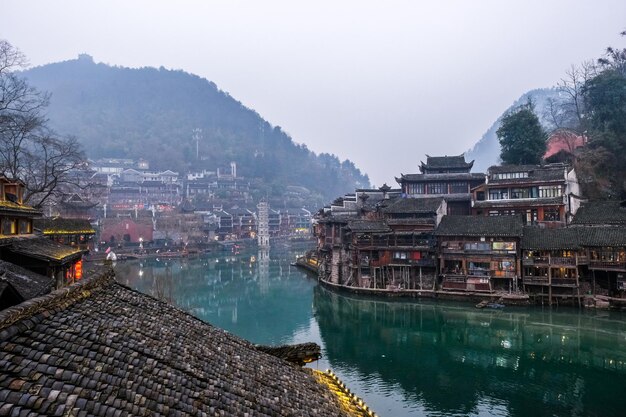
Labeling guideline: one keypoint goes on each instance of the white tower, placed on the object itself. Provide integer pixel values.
(263, 226)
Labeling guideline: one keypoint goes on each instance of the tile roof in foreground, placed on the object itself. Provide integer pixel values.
(100, 348)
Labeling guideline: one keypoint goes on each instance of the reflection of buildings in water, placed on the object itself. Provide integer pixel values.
(264, 269)
(434, 350)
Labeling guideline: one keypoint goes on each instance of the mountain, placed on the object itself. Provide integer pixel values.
(486, 152)
(151, 113)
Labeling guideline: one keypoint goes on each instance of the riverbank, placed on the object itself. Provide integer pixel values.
(599, 302)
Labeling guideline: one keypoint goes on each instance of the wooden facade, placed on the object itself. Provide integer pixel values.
(479, 254)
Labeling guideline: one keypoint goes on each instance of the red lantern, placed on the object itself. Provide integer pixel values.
(78, 270)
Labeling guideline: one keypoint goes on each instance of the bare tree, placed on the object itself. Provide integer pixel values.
(29, 149)
(568, 110)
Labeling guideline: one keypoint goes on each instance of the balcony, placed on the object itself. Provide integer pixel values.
(607, 265)
(534, 280)
(561, 261)
(556, 282)
(564, 282)
(536, 260)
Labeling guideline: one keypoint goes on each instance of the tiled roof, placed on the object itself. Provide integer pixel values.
(408, 222)
(536, 238)
(599, 236)
(368, 226)
(520, 202)
(9, 206)
(43, 248)
(441, 177)
(62, 226)
(601, 212)
(536, 173)
(99, 348)
(28, 284)
(412, 205)
(480, 226)
(457, 197)
(434, 162)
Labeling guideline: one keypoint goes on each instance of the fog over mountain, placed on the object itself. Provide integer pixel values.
(152, 113)
(486, 152)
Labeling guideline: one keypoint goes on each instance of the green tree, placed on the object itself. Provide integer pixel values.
(521, 137)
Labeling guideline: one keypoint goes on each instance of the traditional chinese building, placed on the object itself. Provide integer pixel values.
(602, 231)
(552, 260)
(478, 253)
(544, 194)
(443, 176)
(20, 246)
(386, 246)
(73, 232)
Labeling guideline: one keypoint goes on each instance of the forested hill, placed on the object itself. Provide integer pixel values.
(152, 113)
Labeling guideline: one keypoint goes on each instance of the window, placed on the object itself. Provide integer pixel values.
(479, 268)
(399, 255)
(9, 226)
(547, 191)
(531, 216)
(478, 246)
(25, 227)
(563, 273)
(521, 193)
(458, 187)
(415, 188)
(509, 175)
(437, 188)
(480, 195)
(498, 194)
(551, 215)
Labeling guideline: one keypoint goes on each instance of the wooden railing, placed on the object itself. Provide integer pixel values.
(613, 265)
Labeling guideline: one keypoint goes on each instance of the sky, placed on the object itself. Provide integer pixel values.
(381, 83)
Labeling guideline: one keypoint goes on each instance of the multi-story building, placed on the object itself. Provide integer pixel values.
(551, 262)
(19, 245)
(602, 233)
(544, 194)
(387, 246)
(443, 176)
(478, 253)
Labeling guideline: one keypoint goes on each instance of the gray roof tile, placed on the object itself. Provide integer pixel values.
(110, 351)
(601, 212)
(510, 226)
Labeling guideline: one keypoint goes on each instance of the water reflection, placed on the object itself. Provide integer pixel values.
(456, 360)
(407, 358)
(255, 295)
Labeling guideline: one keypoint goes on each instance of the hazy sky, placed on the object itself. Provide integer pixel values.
(379, 82)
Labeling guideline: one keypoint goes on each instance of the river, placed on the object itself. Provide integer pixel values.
(408, 358)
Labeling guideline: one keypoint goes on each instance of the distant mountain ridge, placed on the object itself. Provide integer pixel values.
(151, 113)
(486, 152)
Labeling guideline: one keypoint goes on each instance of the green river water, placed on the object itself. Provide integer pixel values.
(408, 358)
